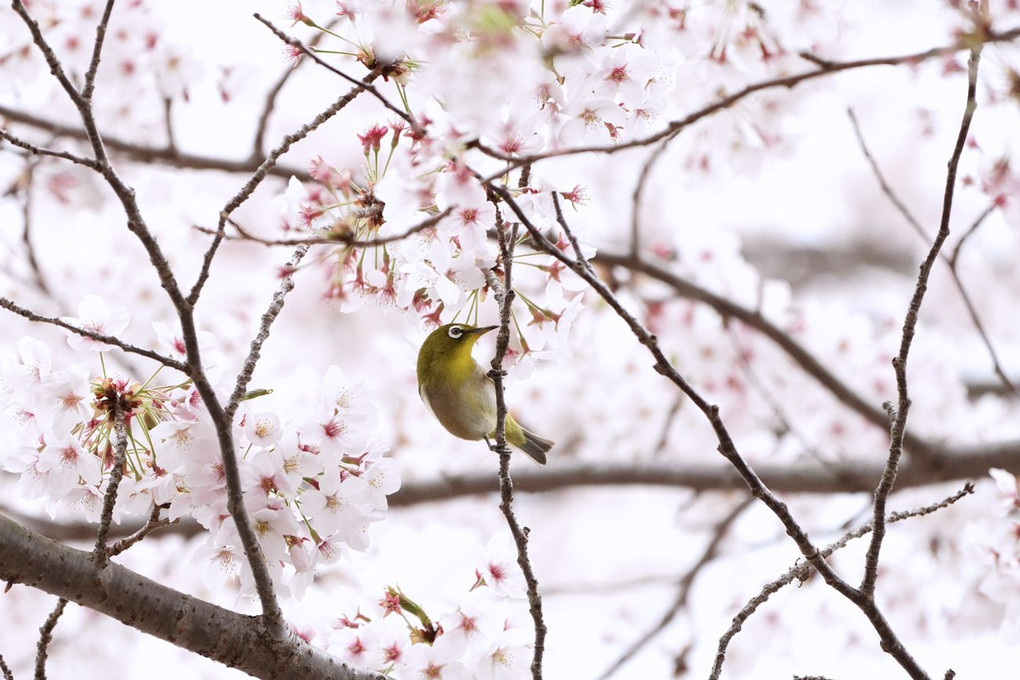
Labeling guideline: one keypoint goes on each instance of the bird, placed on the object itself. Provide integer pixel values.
(459, 393)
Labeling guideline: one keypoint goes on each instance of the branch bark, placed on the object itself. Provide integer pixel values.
(230, 638)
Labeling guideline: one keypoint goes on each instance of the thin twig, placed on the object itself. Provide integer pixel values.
(36, 150)
(168, 124)
(504, 294)
(254, 351)
(332, 238)
(950, 260)
(297, 44)
(258, 140)
(4, 670)
(771, 402)
(154, 522)
(107, 339)
(953, 261)
(885, 486)
(801, 571)
(100, 552)
(150, 154)
(97, 49)
(56, 68)
(825, 68)
(260, 174)
(886, 188)
(26, 231)
(638, 196)
(45, 638)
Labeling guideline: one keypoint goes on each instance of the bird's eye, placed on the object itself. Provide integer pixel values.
(455, 332)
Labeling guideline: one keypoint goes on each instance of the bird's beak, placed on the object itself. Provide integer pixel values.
(483, 330)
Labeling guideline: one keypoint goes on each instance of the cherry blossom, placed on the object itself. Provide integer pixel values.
(96, 316)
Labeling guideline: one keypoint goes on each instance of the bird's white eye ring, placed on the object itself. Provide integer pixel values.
(455, 332)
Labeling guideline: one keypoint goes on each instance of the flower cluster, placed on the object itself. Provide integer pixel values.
(311, 489)
(483, 638)
(582, 73)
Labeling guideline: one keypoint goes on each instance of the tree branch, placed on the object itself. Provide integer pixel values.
(36, 150)
(260, 174)
(885, 486)
(232, 639)
(801, 572)
(378, 70)
(101, 553)
(107, 339)
(890, 643)
(802, 478)
(97, 49)
(46, 637)
(824, 68)
(504, 294)
(167, 155)
(255, 349)
(332, 238)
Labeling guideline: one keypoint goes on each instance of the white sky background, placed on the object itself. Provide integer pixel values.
(607, 558)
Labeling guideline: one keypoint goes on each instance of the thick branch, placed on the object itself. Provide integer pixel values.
(232, 639)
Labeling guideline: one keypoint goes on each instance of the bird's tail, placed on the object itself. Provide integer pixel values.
(535, 446)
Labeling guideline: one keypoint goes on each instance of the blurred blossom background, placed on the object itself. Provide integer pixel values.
(772, 204)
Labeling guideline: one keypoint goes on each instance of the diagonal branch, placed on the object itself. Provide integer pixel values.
(371, 89)
(332, 238)
(258, 140)
(889, 641)
(260, 174)
(887, 189)
(254, 351)
(97, 49)
(107, 339)
(36, 150)
(801, 572)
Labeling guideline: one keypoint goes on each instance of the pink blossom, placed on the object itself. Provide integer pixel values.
(96, 316)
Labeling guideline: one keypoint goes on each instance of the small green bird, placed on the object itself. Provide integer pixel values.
(457, 391)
